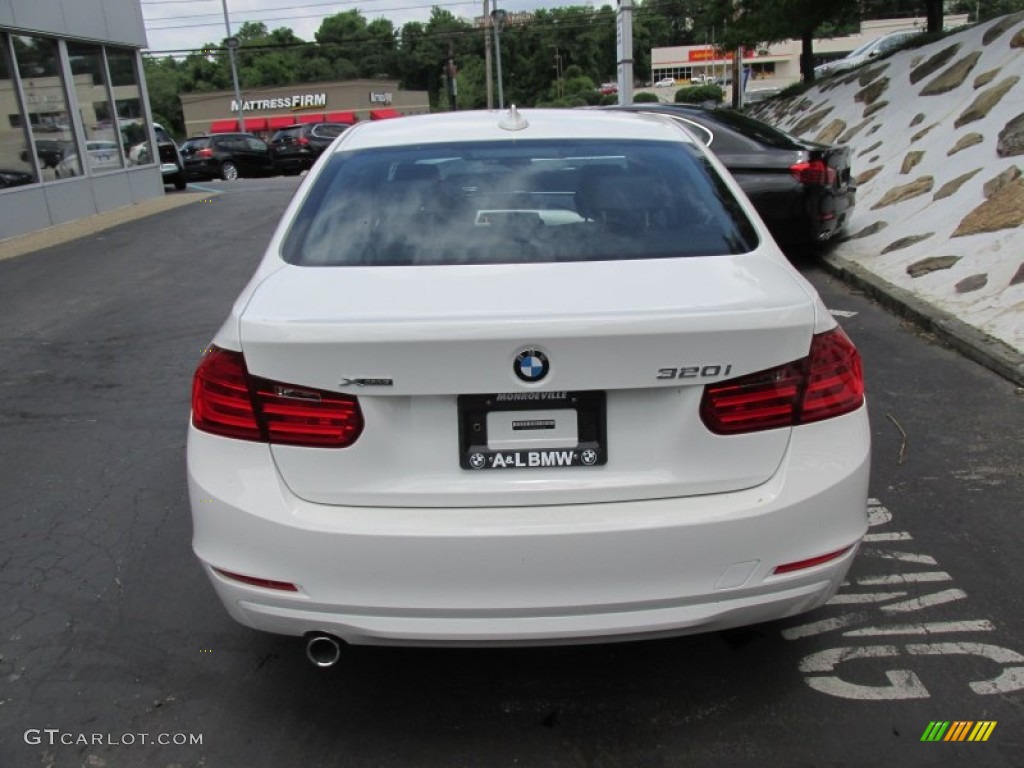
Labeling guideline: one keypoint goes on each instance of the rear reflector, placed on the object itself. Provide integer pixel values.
(284, 586)
(816, 172)
(228, 401)
(826, 383)
(799, 565)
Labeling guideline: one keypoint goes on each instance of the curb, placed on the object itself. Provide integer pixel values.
(972, 343)
(72, 230)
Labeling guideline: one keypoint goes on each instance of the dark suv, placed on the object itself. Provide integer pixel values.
(49, 151)
(226, 156)
(297, 147)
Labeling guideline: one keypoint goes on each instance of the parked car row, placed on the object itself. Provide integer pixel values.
(229, 156)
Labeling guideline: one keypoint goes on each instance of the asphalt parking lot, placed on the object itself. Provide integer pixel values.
(115, 652)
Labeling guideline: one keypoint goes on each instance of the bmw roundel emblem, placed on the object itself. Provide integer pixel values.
(531, 365)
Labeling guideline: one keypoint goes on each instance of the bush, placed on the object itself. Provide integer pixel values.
(698, 94)
(608, 99)
(797, 88)
(645, 96)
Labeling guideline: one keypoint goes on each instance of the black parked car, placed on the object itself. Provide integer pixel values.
(12, 178)
(297, 147)
(226, 156)
(49, 151)
(802, 190)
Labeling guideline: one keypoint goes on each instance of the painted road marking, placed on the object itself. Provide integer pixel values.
(825, 625)
(903, 557)
(904, 578)
(898, 536)
(823, 669)
(926, 601)
(924, 628)
(864, 597)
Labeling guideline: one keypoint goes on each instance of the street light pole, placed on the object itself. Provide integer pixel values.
(558, 70)
(232, 43)
(487, 57)
(498, 17)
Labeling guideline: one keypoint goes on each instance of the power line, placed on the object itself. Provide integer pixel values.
(647, 13)
(333, 3)
(293, 17)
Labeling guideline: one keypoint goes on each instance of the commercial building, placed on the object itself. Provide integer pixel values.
(779, 62)
(73, 106)
(264, 110)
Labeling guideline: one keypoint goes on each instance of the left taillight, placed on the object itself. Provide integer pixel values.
(228, 401)
(814, 172)
(827, 383)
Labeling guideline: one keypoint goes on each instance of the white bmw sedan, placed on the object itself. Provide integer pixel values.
(524, 378)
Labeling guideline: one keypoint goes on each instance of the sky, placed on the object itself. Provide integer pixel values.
(181, 24)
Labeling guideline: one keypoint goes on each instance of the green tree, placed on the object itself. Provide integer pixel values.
(164, 83)
(749, 23)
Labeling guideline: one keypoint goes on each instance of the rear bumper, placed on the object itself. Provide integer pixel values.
(530, 575)
(294, 162)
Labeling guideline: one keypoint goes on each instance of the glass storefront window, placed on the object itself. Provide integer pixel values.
(49, 121)
(99, 122)
(15, 162)
(131, 117)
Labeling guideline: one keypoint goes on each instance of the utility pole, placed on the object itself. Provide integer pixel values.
(487, 55)
(453, 87)
(498, 17)
(624, 45)
(737, 67)
(558, 71)
(232, 43)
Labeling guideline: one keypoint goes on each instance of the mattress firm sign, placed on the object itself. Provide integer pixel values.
(298, 101)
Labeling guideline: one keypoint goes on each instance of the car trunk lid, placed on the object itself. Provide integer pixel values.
(409, 341)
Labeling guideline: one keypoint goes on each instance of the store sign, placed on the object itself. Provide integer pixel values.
(710, 54)
(380, 97)
(296, 102)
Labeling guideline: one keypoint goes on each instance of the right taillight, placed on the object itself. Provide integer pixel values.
(826, 383)
(814, 172)
(228, 401)
(207, 152)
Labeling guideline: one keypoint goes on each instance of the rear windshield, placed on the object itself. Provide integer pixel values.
(328, 130)
(528, 201)
(755, 129)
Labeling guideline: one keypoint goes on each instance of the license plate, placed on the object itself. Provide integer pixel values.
(532, 430)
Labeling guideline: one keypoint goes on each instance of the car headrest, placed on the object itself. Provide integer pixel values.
(610, 192)
(416, 172)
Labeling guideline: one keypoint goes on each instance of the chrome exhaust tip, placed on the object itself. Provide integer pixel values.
(323, 650)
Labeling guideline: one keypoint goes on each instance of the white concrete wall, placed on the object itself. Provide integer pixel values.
(109, 21)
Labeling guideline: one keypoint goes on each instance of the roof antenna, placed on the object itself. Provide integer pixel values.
(512, 120)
